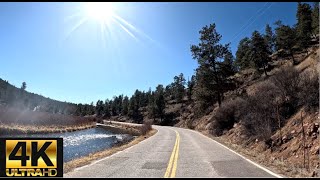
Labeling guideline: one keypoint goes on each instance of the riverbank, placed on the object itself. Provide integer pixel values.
(7, 129)
(71, 165)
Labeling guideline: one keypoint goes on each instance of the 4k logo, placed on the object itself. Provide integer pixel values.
(26, 157)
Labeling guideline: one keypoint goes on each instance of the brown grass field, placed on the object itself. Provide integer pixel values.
(14, 120)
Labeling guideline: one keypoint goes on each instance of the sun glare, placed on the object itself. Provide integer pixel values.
(100, 11)
(109, 19)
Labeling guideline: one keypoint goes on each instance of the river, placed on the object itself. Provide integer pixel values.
(81, 143)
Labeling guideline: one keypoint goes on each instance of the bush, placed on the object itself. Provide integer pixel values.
(260, 110)
(287, 81)
(146, 127)
(309, 90)
(226, 115)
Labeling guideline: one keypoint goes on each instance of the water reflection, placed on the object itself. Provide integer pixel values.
(81, 143)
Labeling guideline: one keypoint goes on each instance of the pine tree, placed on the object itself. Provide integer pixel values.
(90, 109)
(114, 106)
(315, 19)
(285, 39)
(178, 87)
(260, 53)
(304, 25)
(159, 102)
(106, 109)
(152, 106)
(227, 66)
(99, 108)
(133, 111)
(209, 53)
(125, 106)
(269, 38)
(24, 86)
(243, 60)
(190, 85)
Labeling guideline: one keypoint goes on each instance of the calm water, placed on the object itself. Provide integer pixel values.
(81, 143)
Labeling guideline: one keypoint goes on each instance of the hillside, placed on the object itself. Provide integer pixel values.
(287, 153)
(17, 97)
(23, 112)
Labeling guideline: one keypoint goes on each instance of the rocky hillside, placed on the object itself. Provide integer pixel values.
(295, 145)
(285, 144)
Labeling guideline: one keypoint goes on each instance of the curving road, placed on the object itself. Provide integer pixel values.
(174, 152)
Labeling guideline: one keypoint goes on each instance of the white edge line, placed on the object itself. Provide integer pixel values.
(259, 166)
(96, 161)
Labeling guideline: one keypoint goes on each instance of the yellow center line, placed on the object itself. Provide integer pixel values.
(172, 165)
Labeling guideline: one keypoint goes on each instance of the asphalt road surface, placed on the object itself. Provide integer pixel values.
(174, 152)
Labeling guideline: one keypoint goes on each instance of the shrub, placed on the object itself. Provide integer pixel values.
(287, 80)
(146, 127)
(260, 110)
(309, 90)
(226, 115)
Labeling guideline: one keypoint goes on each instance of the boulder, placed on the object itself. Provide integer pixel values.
(313, 174)
(314, 136)
(284, 139)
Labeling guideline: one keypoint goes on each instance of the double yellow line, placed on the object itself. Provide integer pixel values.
(172, 166)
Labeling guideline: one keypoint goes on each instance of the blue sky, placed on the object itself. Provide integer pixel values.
(39, 46)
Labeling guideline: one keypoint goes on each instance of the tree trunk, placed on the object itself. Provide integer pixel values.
(219, 99)
(293, 60)
(265, 70)
(303, 140)
(279, 124)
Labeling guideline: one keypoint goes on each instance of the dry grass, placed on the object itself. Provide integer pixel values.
(69, 166)
(26, 117)
(16, 121)
(278, 165)
(16, 128)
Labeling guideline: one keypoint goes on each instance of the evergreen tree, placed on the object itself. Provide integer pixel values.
(119, 104)
(270, 38)
(243, 60)
(260, 53)
(169, 91)
(90, 109)
(190, 85)
(209, 53)
(285, 39)
(24, 86)
(106, 109)
(315, 19)
(159, 101)
(114, 106)
(227, 66)
(99, 108)
(152, 106)
(125, 106)
(133, 109)
(178, 87)
(304, 25)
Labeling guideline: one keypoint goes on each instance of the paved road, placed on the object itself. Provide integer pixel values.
(173, 152)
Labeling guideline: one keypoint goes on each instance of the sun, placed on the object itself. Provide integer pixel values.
(99, 11)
